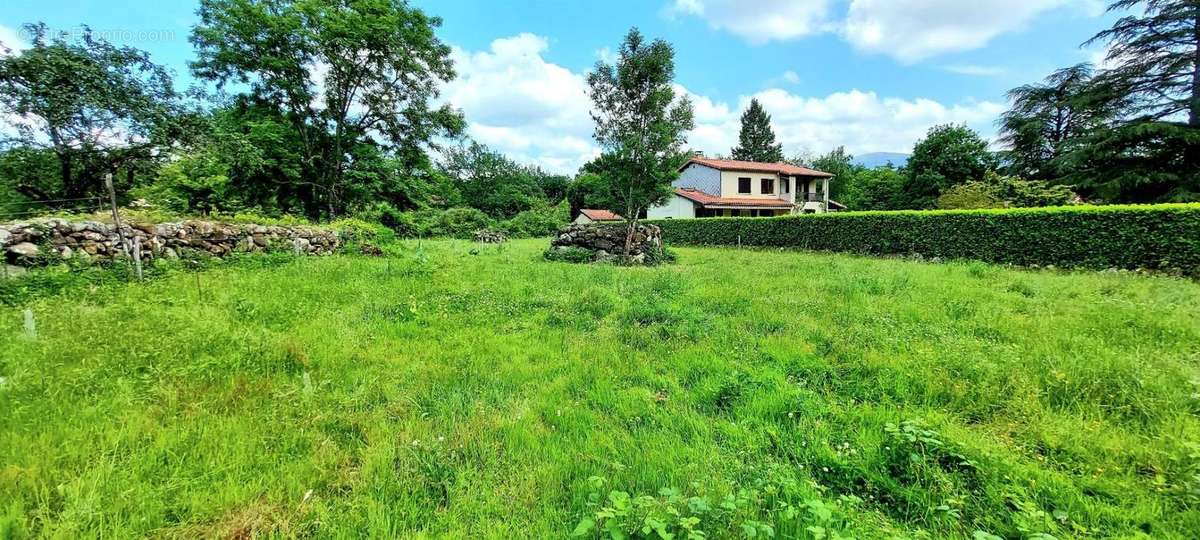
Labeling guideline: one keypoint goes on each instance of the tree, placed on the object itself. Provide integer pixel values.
(756, 141)
(948, 155)
(997, 191)
(1157, 57)
(1154, 153)
(98, 107)
(346, 76)
(641, 128)
(1051, 119)
(881, 188)
(841, 165)
(490, 181)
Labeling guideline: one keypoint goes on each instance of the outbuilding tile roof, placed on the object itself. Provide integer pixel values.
(600, 215)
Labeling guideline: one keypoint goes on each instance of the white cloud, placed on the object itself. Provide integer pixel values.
(606, 55)
(792, 77)
(11, 40)
(537, 112)
(859, 120)
(908, 30)
(760, 21)
(516, 102)
(975, 70)
(912, 30)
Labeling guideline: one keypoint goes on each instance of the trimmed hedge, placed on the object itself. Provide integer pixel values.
(1162, 237)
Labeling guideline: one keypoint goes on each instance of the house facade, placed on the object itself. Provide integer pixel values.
(724, 187)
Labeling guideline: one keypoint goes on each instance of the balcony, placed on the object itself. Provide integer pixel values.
(810, 197)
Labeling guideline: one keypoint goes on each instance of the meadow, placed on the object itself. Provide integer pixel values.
(456, 390)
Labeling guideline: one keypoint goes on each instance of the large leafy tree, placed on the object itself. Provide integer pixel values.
(881, 188)
(948, 155)
(350, 78)
(841, 165)
(96, 107)
(641, 126)
(491, 182)
(756, 141)
(1050, 119)
(1154, 154)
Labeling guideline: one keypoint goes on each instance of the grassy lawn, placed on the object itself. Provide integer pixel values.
(441, 392)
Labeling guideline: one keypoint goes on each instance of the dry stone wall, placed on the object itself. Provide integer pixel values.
(608, 241)
(25, 243)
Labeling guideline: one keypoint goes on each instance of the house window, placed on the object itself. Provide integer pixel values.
(768, 186)
(785, 184)
(744, 185)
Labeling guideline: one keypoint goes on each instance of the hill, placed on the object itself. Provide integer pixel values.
(879, 159)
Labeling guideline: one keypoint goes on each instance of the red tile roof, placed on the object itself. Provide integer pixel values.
(705, 199)
(600, 215)
(751, 166)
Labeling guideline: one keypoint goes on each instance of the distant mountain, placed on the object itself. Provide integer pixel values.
(879, 159)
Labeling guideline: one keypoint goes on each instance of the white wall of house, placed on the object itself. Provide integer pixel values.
(582, 219)
(729, 184)
(676, 208)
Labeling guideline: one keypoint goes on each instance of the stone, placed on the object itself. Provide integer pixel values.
(490, 236)
(11, 271)
(607, 242)
(24, 250)
(94, 239)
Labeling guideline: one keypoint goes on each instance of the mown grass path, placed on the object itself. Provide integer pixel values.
(443, 393)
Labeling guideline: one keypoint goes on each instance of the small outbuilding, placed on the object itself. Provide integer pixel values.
(589, 215)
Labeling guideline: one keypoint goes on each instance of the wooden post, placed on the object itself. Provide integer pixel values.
(825, 195)
(30, 324)
(137, 256)
(112, 198)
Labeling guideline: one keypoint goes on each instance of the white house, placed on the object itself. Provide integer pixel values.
(725, 187)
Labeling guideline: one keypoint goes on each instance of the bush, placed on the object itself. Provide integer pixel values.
(1145, 236)
(570, 254)
(538, 222)
(355, 232)
(460, 223)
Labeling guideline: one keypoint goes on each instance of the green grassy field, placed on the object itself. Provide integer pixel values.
(440, 392)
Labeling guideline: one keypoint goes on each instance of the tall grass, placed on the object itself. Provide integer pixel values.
(452, 390)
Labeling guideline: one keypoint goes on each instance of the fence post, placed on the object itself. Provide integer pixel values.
(30, 324)
(137, 256)
(112, 197)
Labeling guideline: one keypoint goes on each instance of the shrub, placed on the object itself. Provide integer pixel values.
(996, 191)
(538, 222)
(569, 254)
(969, 196)
(460, 223)
(1144, 236)
(355, 232)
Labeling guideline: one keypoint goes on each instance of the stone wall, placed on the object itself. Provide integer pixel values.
(23, 243)
(607, 241)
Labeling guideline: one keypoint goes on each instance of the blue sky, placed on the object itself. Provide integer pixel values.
(872, 75)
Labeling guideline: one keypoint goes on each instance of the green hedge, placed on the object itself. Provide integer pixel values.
(1165, 236)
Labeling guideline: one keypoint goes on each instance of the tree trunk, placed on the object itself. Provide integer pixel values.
(630, 231)
(68, 179)
(1194, 103)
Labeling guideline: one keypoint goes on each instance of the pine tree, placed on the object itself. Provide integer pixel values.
(1154, 154)
(756, 142)
(1155, 56)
